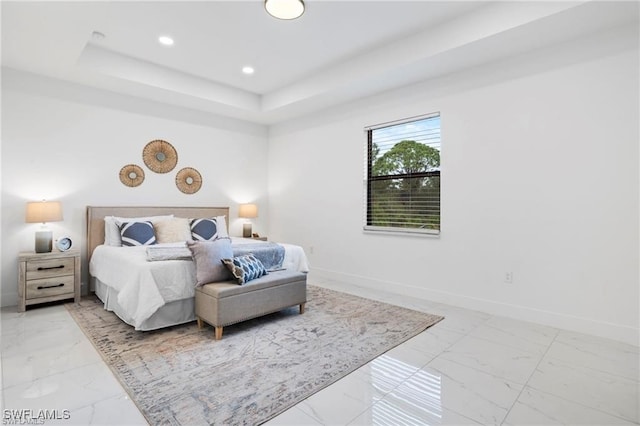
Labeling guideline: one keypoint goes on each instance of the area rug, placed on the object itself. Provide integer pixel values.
(182, 376)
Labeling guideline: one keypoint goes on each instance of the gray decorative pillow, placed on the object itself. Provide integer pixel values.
(207, 256)
(137, 233)
(245, 268)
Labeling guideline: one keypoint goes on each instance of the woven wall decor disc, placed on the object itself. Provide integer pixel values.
(131, 175)
(188, 180)
(160, 156)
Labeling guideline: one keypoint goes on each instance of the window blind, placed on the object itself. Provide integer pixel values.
(402, 176)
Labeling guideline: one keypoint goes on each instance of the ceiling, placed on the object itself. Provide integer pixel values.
(336, 52)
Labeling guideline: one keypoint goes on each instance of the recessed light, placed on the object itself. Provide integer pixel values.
(248, 70)
(165, 40)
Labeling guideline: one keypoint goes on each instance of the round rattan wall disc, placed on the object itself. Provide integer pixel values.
(160, 156)
(188, 180)
(131, 175)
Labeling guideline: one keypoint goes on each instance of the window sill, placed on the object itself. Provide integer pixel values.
(401, 232)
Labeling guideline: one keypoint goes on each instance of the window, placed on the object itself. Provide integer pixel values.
(403, 176)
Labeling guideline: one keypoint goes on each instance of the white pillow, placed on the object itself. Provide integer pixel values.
(112, 235)
(221, 221)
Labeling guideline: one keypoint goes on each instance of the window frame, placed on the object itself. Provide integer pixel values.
(369, 180)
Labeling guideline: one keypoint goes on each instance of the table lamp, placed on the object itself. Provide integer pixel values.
(248, 211)
(44, 211)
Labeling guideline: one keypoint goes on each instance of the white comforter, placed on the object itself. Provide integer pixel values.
(143, 287)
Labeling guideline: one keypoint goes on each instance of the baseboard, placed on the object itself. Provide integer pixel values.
(618, 332)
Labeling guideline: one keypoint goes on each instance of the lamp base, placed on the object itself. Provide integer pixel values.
(44, 241)
(246, 230)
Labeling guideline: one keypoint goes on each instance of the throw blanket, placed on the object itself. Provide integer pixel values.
(270, 254)
(168, 252)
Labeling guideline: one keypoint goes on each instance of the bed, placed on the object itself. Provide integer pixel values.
(149, 295)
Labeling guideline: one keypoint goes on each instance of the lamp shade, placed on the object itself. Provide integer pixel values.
(43, 211)
(284, 9)
(248, 211)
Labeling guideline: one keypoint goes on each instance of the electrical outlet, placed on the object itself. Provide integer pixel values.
(508, 277)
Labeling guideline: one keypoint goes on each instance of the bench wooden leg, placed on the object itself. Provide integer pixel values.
(218, 333)
(199, 322)
(302, 308)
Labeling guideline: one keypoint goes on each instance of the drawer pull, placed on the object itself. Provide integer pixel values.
(41, 287)
(42, 268)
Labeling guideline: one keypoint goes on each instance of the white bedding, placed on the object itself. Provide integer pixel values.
(144, 287)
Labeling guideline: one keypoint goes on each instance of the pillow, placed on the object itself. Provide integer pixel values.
(137, 233)
(112, 227)
(172, 230)
(245, 268)
(207, 256)
(209, 229)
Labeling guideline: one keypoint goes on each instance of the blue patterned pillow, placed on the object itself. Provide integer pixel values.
(137, 233)
(245, 268)
(208, 229)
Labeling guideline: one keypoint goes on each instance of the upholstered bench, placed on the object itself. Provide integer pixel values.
(225, 303)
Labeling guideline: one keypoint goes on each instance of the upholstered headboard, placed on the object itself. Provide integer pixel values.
(95, 218)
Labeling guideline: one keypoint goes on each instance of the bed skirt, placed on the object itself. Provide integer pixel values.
(173, 313)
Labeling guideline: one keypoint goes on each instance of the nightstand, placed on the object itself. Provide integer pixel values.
(47, 277)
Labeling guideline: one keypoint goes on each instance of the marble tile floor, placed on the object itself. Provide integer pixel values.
(471, 368)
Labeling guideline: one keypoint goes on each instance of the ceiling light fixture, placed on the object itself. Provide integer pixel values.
(165, 40)
(284, 9)
(248, 70)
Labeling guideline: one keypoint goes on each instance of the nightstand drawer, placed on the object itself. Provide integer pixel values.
(46, 287)
(50, 268)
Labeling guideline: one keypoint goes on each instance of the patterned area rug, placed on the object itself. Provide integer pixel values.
(182, 376)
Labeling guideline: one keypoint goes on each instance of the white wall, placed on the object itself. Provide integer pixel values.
(539, 178)
(65, 142)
